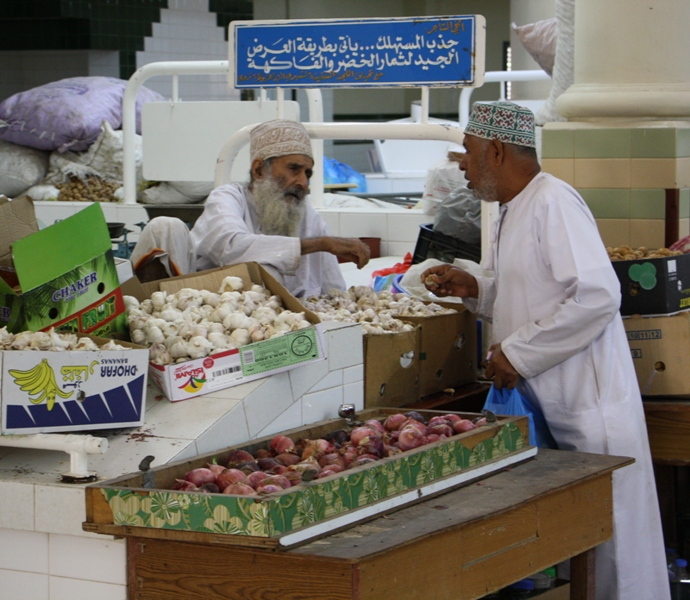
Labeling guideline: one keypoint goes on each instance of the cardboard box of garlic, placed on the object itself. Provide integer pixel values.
(411, 348)
(59, 382)
(218, 328)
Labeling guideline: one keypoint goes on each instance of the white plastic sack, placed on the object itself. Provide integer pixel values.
(411, 281)
(176, 192)
(442, 179)
(20, 168)
(103, 159)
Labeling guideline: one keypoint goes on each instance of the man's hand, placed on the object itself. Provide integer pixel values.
(349, 249)
(447, 280)
(499, 369)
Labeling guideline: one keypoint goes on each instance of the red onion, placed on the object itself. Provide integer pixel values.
(375, 424)
(294, 477)
(277, 470)
(373, 446)
(338, 437)
(414, 423)
(266, 464)
(438, 420)
(316, 448)
(200, 476)
(279, 480)
(210, 488)
(359, 433)
(349, 455)
(184, 486)
(330, 470)
(287, 459)
(441, 429)
(281, 443)
(238, 456)
(263, 453)
(248, 467)
(216, 468)
(255, 478)
(239, 489)
(431, 438)
(463, 425)
(362, 460)
(394, 422)
(410, 437)
(413, 414)
(230, 476)
(452, 417)
(268, 489)
(332, 459)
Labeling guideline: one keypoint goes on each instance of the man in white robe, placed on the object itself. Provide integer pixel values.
(554, 299)
(267, 221)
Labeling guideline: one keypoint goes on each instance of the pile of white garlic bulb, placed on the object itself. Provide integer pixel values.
(52, 341)
(377, 312)
(192, 323)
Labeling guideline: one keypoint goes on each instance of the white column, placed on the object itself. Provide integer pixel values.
(631, 60)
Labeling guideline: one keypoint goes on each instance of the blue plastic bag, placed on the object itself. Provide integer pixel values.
(336, 172)
(512, 402)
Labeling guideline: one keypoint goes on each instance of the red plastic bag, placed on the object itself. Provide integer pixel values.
(396, 268)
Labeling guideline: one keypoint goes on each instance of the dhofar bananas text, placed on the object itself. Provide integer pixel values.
(40, 382)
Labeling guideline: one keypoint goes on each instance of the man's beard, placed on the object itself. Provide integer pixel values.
(280, 209)
(487, 191)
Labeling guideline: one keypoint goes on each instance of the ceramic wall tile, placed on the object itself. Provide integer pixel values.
(59, 509)
(345, 347)
(683, 173)
(363, 225)
(400, 248)
(91, 559)
(239, 392)
(614, 232)
(603, 173)
(269, 400)
(683, 228)
(288, 419)
(653, 142)
(353, 393)
(49, 212)
(303, 378)
(15, 584)
(607, 204)
(332, 220)
(647, 232)
(557, 143)
(602, 143)
(17, 514)
(231, 429)
(654, 173)
(684, 203)
(333, 379)
(322, 405)
(563, 168)
(62, 588)
(188, 419)
(23, 551)
(647, 204)
(353, 374)
(404, 227)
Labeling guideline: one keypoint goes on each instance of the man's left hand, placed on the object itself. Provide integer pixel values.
(499, 369)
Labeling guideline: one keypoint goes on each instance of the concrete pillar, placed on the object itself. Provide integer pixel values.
(631, 60)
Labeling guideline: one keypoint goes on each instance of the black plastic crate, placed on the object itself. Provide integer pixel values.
(431, 244)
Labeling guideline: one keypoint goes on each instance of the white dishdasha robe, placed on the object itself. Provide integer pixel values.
(554, 303)
(228, 233)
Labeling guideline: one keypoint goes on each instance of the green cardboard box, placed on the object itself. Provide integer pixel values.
(66, 274)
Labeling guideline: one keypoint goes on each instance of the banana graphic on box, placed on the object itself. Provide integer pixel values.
(40, 382)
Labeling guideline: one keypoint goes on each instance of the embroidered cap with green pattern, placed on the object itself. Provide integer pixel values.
(503, 121)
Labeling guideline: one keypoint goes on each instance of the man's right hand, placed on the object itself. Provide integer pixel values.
(447, 280)
(350, 250)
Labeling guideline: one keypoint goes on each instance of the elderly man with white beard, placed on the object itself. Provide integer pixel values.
(268, 220)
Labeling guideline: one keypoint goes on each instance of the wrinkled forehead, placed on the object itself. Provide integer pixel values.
(293, 160)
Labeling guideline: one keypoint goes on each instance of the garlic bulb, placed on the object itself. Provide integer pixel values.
(232, 284)
(50, 341)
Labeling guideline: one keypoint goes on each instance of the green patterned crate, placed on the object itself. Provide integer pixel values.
(144, 505)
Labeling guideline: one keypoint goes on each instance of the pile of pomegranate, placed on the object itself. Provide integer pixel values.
(286, 463)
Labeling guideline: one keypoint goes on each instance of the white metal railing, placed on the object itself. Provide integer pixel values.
(174, 69)
(494, 77)
(76, 445)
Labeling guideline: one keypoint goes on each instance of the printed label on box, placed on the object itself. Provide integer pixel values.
(290, 349)
(636, 352)
(650, 334)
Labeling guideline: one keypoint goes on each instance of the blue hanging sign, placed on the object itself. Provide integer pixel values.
(443, 51)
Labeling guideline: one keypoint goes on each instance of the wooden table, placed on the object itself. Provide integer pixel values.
(460, 545)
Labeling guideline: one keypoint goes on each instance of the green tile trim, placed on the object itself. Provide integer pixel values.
(647, 204)
(654, 143)
(557, 143)
(602, 143)
(683, 143)
(684, 204)
(607, 203)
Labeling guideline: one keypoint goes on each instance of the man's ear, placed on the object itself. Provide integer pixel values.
(497, 152)
(257, 168)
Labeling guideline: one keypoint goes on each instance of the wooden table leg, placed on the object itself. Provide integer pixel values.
(583, 576)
